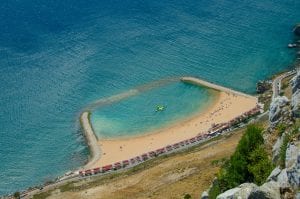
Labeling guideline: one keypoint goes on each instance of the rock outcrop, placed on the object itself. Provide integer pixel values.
(263, 86)
(292, 164)
(276, 109)
(204, 195)
(274, 174)
(242, 191)
(269, 190)
(276, 148)
(295, 101)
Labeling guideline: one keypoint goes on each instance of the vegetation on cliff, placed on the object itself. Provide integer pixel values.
(249, 163)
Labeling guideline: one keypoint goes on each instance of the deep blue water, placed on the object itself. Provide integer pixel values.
(57, 56)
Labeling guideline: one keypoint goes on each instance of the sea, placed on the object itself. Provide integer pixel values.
(59, 56)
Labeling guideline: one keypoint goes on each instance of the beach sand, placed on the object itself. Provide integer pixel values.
(227, 105)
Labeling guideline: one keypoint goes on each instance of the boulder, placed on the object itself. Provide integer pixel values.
(241, 192)
(283, 179)
(274, 174)
(204, 195)
(269, 190)
(229, 194)
(276, 108)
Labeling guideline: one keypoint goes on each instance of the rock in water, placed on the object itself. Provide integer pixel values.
(297, 30)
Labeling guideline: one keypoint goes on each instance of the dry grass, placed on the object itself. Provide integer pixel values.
(171, 177)
(286, 87)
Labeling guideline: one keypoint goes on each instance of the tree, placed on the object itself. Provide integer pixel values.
(259, 165)
(249, 163)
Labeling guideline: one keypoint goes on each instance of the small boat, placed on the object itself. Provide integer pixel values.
(292, 45)
(160, 108)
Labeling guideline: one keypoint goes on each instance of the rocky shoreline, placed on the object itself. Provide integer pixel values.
(282, 136)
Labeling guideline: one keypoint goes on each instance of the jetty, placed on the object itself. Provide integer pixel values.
(91, 139)
(199, 82)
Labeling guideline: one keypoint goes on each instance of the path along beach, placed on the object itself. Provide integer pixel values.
(228, 105)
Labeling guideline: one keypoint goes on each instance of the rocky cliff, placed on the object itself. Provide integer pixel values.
(295, 100)
(284, 180)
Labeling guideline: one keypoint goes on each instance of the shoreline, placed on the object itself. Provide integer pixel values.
(118, 149)
(168, 125)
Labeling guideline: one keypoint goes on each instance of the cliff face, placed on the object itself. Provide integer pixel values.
(284, 180)
(295, 101)
(277, 109)
(282, 183)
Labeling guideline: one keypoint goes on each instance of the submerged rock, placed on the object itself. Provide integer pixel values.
(297, 30)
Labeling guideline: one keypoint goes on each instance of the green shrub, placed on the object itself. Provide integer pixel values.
(187, 196)
(249, 162)
(260, 166)
(281, 129)
(214, 191)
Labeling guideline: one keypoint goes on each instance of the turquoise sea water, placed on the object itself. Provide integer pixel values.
(58, 56)
(137, 114)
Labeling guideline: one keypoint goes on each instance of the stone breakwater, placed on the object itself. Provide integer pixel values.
(123, 157)
(200, 82)
(91, 139)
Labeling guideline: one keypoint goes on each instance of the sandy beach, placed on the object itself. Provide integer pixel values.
(227, 106)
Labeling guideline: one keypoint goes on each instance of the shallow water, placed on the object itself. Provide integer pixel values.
(138, 114)
(58, 56)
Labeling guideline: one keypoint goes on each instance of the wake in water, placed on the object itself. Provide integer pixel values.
(130, 93)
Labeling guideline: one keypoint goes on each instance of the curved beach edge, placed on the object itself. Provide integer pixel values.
(90, 138)
(199, 82)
